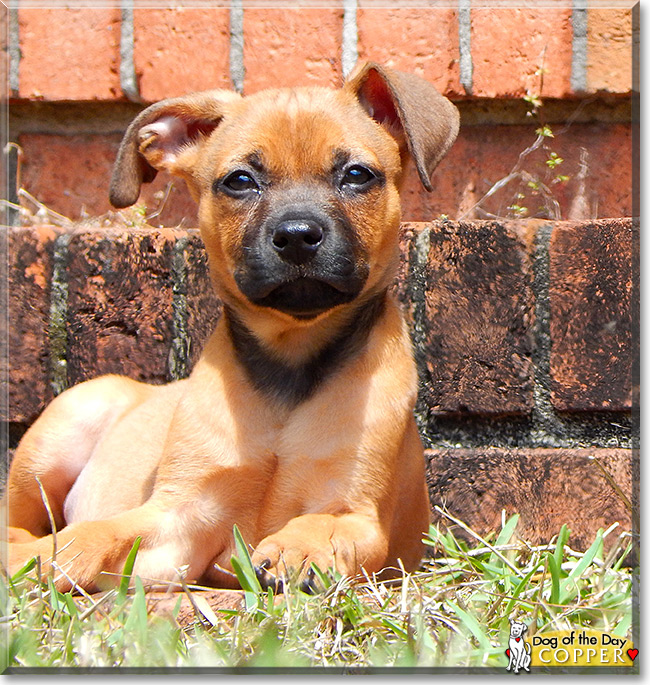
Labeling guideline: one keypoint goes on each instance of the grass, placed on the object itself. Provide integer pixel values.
(453, 612)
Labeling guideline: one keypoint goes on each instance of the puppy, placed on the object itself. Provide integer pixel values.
(296, 423)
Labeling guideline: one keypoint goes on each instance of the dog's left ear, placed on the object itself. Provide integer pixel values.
(161, 137)
(412, 110)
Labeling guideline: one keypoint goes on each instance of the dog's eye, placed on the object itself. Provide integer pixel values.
(240, 182)
(357, 176)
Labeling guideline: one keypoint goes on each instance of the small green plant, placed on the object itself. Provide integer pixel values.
(532, 181)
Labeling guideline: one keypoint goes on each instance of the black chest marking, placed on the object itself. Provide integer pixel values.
(293, 384)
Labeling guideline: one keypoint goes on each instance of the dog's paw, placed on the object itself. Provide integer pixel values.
(291, 554)
(278, 578)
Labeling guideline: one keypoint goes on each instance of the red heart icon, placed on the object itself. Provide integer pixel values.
(517, 639)
(507, 652)
(632, 653)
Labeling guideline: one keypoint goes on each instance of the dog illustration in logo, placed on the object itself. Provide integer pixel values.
(518, 649)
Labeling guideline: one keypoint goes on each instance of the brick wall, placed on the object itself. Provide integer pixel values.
(78, 75)
(523, 334)
(524, 329)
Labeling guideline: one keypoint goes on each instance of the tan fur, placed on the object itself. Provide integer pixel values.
(335, 479)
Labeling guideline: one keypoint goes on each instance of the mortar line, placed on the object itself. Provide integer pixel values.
(58, 322)
(128, 78)
(465, 45)
(579, 46)
(543, 411)
(350, 38)
(416, 289)
(236, 55)
(13, 38)
(178, 358)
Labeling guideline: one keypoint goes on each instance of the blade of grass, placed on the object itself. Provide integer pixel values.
(469, 622)
(555, 580)
(562, 539)
(127, 571)
(580, 567)
(517, 591)
(137, 618)
(243, 566)
(474, 534)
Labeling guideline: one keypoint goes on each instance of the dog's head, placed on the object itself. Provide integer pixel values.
(297, 188)
(517, 628)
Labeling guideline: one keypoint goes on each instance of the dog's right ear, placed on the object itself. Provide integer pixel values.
(160, 136)
(411, 110)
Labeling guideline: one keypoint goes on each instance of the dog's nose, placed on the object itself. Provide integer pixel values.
(297, 240)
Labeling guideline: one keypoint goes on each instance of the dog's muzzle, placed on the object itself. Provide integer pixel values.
(302, 264)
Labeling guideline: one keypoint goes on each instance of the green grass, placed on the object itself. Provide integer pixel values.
(453, 612)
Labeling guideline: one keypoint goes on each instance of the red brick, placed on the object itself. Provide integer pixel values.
(423, 41)
(71, 175)
(609, 49)
(180, 50)
(546, 487)
(479, 312)
(29, 275)
(591, 337)
(288, 47)
(510, 44)
(119, 304)
(482, 155)
(70, 54)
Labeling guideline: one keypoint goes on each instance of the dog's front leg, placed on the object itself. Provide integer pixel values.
(344, 542)
(92, 554)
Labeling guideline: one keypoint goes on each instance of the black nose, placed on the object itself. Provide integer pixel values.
(297, 240)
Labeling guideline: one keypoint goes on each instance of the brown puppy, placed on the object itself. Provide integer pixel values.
(296, 423)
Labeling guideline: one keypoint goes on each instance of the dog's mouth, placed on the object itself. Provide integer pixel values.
(305, 298)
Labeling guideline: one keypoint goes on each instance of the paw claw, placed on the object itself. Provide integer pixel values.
(268, 580)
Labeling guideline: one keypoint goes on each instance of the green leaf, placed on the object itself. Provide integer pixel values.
(243, 566)
(324, 579)
(397, 629)
(73, 610)
(504, 537)
(517, 591)
(21, 573)
(554, 571)
(562, 539)
(545, 131)
(54, 594)
(568, 586)
(137, 619)
(244, 577)
(624, 625)
(127, 571)
(474, 627)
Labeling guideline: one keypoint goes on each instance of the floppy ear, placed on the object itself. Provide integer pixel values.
(157, 137)
(412, 110)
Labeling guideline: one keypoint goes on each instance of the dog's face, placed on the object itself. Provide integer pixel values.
(297, 188)
(299, 200)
